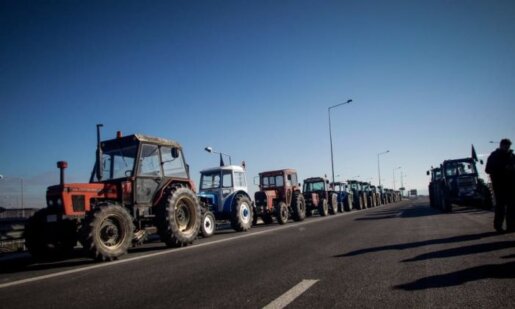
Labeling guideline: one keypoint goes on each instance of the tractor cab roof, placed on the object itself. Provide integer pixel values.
(339, 183)
(134, 138)
(314, 179)
(469, 160)
(278, 172)
(235, 168)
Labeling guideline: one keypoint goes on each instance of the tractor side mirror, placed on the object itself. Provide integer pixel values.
(481, 161)
(175, 153)
(427, 173)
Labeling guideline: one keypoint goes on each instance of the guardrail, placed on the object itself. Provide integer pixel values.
(11, 234)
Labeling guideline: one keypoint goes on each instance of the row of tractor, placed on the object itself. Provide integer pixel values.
(457, 181)
(141, 185)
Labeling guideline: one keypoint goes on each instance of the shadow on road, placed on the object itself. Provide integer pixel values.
(413, 211)
(419, 244)
(27, 263)
(487, 247)
(497, 271)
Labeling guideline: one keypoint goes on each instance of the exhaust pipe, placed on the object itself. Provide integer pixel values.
(62, 165)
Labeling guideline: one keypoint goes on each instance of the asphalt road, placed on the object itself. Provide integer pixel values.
(404, 255)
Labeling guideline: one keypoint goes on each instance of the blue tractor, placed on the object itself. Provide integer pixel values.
(344, 196)
(223, 193)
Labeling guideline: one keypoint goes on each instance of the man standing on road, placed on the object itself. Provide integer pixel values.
(501, 167)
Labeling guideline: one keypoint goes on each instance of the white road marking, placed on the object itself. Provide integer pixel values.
(171, 251)
(291, 294)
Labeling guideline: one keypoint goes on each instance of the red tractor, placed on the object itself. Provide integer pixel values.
(279, 196)
(140, 185)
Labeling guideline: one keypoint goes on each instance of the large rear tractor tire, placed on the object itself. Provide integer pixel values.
(242, 215)
(282, 213)
(323, 208)
(334, 204)
(348, 203)
(108, 232)
(208, 227)
(298, 206)
(49, 241)
(444, 202)
(488, 201)
(364, 199)
(179, 218)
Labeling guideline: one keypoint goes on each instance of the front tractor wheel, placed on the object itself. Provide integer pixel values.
(242, 215)
(299, 207)
(323, 208)
(341, 206)
(267, 218)
(282, 212)
(108, 232)
(208, 226)
(179, 218)
(348, 203)
(49, 241)
(334, 204)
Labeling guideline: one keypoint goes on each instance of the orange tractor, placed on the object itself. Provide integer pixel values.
(140, 185)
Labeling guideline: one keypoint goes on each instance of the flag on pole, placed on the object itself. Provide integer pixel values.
(474, 155)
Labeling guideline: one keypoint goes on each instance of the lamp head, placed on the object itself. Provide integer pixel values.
(208, 149)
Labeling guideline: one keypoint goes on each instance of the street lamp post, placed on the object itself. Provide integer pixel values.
(402, 188)
(397, 168)
(210, 150)
(379, 167)
(330, 133)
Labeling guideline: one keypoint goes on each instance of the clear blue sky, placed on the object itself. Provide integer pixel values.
(255, 79)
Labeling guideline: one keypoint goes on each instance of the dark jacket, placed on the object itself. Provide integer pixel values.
(500, 165)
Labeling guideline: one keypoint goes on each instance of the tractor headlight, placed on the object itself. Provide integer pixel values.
(59, 202)
(50, 203)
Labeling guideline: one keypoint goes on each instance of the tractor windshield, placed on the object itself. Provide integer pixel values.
(272, 181)
(210, 180)
(460, 168)
(314, 186)
(354, 186)
(119, 162)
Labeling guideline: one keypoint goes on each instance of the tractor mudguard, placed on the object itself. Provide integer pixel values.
(229, 201)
